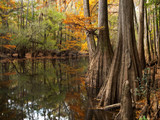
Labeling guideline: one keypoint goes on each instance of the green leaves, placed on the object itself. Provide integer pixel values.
(39, 34)
(141, 89)
(143, 118)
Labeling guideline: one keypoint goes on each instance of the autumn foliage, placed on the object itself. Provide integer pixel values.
(5, 37)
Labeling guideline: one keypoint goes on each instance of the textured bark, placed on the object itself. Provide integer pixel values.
(154, 33)
(141, 35)
(135, 18)
(125, 63)
(151, 44)
(147, 37)
(126, 103)
(159, 44)
(158, 33)
(100, 63)
(90, 37)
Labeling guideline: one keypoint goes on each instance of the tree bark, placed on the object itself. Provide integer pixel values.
(159, 43)
(147, 37)
(154, 33)
(27, 14)
(125, 63)
(90, 37)
(126, 103)
(157, 32)
(151, 40)
(100, 63)
(135, 18)
(141, 35)
(32, 9)
(22, 13)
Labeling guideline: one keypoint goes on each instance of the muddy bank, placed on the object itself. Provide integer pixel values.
(50, 54)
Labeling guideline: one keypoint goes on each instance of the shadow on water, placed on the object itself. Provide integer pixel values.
(46, 90)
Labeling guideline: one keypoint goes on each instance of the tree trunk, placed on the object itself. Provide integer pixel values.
(159, 43)
(22, 17)
(151, 42)
(135, 18)
(100, 63)
(90, 37)
(126, 103)
(157, 32)
(154, 33)
(147, 37)
(32, 9)
(27, 14)
(141, 35)
(125, 63)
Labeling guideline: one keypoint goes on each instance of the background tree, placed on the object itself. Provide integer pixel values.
(141, 35)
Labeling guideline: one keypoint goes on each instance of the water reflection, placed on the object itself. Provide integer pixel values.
(43, 89)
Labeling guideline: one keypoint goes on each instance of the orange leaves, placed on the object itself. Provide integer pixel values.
(70, 45)
(9, 46)
(9, 73)
(5, 83)
(78, 110)
(72, 95)
(5, 5)
(74, 101)
(78, 22)
(6, 36)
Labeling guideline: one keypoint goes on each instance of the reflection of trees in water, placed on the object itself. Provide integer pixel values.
(40, 86)
(7, 109)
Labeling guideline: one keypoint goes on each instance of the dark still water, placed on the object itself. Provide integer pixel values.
(43, 89)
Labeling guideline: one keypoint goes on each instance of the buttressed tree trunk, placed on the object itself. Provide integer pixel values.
(125, 63)
(100, 63)
(141, 35)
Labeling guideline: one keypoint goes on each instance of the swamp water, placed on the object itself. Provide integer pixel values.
(44, 89)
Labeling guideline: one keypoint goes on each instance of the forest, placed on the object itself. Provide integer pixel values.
(79, 59)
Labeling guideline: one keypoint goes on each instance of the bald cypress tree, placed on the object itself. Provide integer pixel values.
(125, 63)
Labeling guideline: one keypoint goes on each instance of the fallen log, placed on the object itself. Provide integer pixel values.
(110, 107)
(113, 106)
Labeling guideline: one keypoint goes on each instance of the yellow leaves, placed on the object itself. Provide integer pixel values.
(84, 47)
(94, 9)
